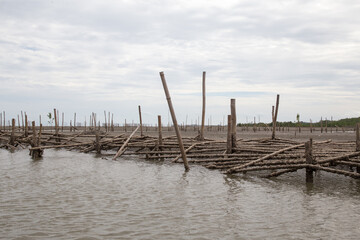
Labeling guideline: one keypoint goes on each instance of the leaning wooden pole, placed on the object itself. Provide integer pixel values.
(275, 117)
(181, 145)
(203, 108)
(141, 128)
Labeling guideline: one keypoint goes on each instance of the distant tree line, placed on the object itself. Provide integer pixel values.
(346, 122)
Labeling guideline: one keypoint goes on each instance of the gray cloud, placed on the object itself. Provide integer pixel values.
(110, 52)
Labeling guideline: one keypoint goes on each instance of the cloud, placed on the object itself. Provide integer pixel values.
(108, 54)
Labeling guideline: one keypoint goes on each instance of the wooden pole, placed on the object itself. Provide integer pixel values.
(311, 126)
(275, 116)
(141, 128)
(173, 116)
(74, 122)
(105, 125)
(229, 142)
(62, 122)
(12, 137)
(358, 143)
(18, 121)
(108, 125)
(4, 121)
(160, 131)
(357, 137)
(309, 160)
(321, 125)
(22, 120)
(125, 125)
(26, 126)
(233, 123)
(112, 122)
(56, 125)
(203, 108)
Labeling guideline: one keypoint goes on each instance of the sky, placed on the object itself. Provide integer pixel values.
(89, 56)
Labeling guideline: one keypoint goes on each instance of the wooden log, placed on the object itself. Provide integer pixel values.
(281, 172)
(342, 157)
(203, 108)
(232, 170)
(141, 127)
(233, 123)
(263, 168)
(337, 171)
(62, 146)
(275, 117)
(122, 148)
(171, 108)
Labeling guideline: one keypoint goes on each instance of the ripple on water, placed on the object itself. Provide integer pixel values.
(69, 195)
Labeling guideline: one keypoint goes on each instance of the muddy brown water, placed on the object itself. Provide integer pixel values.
(69, 195)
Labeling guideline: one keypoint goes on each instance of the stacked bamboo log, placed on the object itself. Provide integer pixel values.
(270, 157)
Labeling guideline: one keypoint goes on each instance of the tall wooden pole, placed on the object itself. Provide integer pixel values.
(275, 116)
(233, 123)
(141, 128)
(203, 107)
(181, 145)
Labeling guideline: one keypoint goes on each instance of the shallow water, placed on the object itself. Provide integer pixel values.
(69, 195)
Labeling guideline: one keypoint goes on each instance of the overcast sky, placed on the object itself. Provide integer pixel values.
(90, 56)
